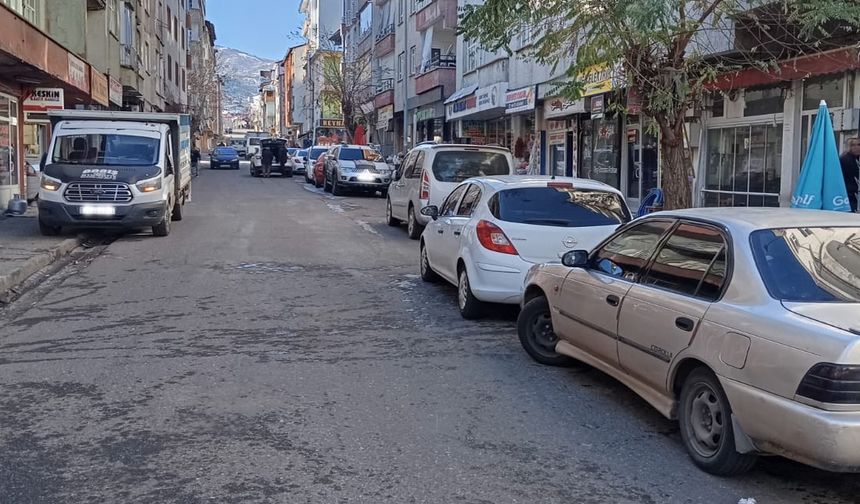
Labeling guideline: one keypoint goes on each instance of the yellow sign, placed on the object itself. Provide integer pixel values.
(597, 79)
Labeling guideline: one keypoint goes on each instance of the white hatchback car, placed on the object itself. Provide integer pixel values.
(431, 171)
(490, 230)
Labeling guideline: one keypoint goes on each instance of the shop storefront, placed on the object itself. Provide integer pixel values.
(754, 139)
(384, 130)
(559, 128)
(478, 115)
(10, 176)
(429, 123)
(520, 107)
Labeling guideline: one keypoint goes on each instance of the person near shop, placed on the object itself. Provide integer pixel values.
(266, 156)
(195, 161)
(850, 162)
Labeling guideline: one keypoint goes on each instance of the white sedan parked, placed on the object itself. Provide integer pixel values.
(490, 230)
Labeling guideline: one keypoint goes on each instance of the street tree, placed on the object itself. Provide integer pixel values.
(348, 81)
(670, 52)
(204, 80)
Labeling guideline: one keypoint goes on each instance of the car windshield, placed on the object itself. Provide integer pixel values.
(457, 166)
(316, 151)
(237, 143)
(302, 153)
(106, 150)
(352, 154)
(291, 151)
(809, 264)
(561, 206)
(254, 141)
(226, 151)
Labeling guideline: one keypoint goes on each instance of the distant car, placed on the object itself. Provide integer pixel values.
(356, 168)
(224, 157)
(318, 171)
(274, 145)
(742, 323)
(298, 168)
(490, 231)
(429, 174)
(311, 157)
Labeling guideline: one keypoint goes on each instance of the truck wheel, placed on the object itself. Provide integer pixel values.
(163, 227)
(48, 230)
(177, 211)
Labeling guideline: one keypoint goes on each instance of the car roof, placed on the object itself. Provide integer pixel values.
(353, 146)
(750, 219)
(502, 182)
(450, 146)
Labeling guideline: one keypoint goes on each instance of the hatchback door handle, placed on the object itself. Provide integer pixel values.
(613, 300)
(440, 231)
(684, 324)
(457, 233)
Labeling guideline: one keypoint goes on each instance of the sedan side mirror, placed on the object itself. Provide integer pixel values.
(431, 211)
(575, 259)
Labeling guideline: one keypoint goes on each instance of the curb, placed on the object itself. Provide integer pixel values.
(36, 263)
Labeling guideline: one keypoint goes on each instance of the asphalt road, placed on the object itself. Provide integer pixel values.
(279, 346)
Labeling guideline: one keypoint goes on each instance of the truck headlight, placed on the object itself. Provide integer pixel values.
(149, 185)
(50, 183)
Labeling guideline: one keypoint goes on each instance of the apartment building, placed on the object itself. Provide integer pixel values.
(293, 93)
(322, 31)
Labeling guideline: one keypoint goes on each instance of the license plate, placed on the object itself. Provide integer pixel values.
(97, 210)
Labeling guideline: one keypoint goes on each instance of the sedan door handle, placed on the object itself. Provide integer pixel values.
(613, 300)
(684, 324)
(440, 231)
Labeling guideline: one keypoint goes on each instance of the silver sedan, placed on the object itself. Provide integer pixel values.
(742, 324)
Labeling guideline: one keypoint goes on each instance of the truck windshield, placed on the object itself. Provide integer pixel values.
(106, 150)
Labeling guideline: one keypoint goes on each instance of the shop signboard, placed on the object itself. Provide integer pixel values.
(597, 107)
(77, 75)
(482, 99)
(560, 107)
(99, 87)
(331, 123)
(634, 101)
(425, 114)
(383, 116)
(598, 79)
(556, 125)
(556, 137)
(520, 100)
(44, 99)
(115, 92)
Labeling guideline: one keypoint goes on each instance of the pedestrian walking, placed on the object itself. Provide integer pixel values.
(282, 158)
(195, 161)
(850, 162)
(266, 157)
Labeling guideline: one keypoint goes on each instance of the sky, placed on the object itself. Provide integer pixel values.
(265, 28)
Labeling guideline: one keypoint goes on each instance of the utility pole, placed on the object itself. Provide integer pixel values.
(405, 74)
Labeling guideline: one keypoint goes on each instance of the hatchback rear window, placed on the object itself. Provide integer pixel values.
(559, 206)
(226, 151)
(809, 264)
(457, 166)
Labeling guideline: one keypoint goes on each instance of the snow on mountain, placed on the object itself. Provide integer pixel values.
(241, 73)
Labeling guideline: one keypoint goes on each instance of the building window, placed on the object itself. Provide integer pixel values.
(27, 9)
(169, 67)
(169, 24)
(744, 166)
(401, 63)
(175, 30)
(473, 50)
(183, 37)
(176, 73)
(365, 20)
(146, 62)
(183, 80)
(763, 101)
(828, 88)
(413, 61)
(401, 11)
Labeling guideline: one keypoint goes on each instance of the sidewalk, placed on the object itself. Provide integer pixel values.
(24, 251)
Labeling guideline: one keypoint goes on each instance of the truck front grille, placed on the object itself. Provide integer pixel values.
(88, 192)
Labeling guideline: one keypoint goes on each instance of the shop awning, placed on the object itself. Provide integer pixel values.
(461, 93)
(828, 62)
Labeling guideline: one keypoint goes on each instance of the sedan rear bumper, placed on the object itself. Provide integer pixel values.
(829, 440)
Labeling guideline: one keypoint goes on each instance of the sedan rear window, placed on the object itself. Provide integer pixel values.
(457, 166)
(809, 264)
(315, 152)
(359, 154)
(228, 151)
(559, 206)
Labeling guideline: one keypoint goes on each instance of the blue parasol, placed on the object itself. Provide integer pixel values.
(821, 185)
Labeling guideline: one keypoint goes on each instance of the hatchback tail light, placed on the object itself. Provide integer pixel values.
(424, 194)
(493, 238)
(832, 383)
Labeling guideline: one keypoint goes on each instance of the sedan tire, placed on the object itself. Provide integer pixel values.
(705, 419)
(470, 307)
(534, 326)
(336, 189)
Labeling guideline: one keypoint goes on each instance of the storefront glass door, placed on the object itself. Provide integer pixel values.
(600, 150)
(642, 163)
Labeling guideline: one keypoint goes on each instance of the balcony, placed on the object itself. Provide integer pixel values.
(436, 12)
(439, 71)
(128, 57)
(384, 93)
(385, 40)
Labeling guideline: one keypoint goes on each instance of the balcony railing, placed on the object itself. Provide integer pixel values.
(439, 61)
(384, 32)
(384, 85)
(128, 57)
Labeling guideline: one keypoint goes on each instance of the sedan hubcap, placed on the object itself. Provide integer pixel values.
(543, 334)
(706, 421)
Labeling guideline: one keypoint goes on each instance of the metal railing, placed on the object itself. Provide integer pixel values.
(384, 85)
(440, 62)
(384, 32)
(128, 57)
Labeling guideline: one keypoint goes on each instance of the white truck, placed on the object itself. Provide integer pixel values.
(121, 170)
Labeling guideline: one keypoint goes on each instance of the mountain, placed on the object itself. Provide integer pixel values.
(241, 73)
